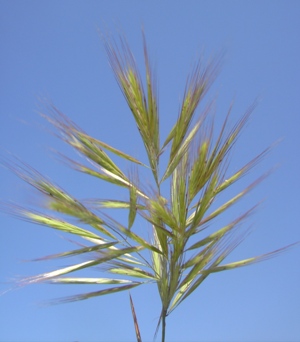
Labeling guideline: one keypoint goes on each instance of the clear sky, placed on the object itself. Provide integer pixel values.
(51, 49)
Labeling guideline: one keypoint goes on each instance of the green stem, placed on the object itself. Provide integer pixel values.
(163, 323)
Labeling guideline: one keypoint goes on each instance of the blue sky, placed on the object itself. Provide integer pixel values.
(51, 49)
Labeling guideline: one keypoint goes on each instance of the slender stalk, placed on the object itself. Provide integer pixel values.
(163, 324)
(136, 326)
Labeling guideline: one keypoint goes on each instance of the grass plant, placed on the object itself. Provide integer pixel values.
(179, 253)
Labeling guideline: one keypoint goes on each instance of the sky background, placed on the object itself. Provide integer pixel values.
(51, 50)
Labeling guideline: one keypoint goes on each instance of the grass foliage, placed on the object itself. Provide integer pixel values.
(179, 255)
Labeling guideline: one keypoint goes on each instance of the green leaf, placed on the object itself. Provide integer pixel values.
(118, 226)
(112, 149)
(175, 158)
(133, 206)
(248, 261)
(231, 202)
(144, 109)
(159, 210)
(197, 85)
(202, 206)
(107, 256)
(84, 296)
(178, 192)
(78, 251)
(130, 271)
(108, 177)
(59, 224)
(114, 204)
(86, 281)
(198, 175)
(185, 290)
(110, 204)
(219, 233)
(241, 172)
